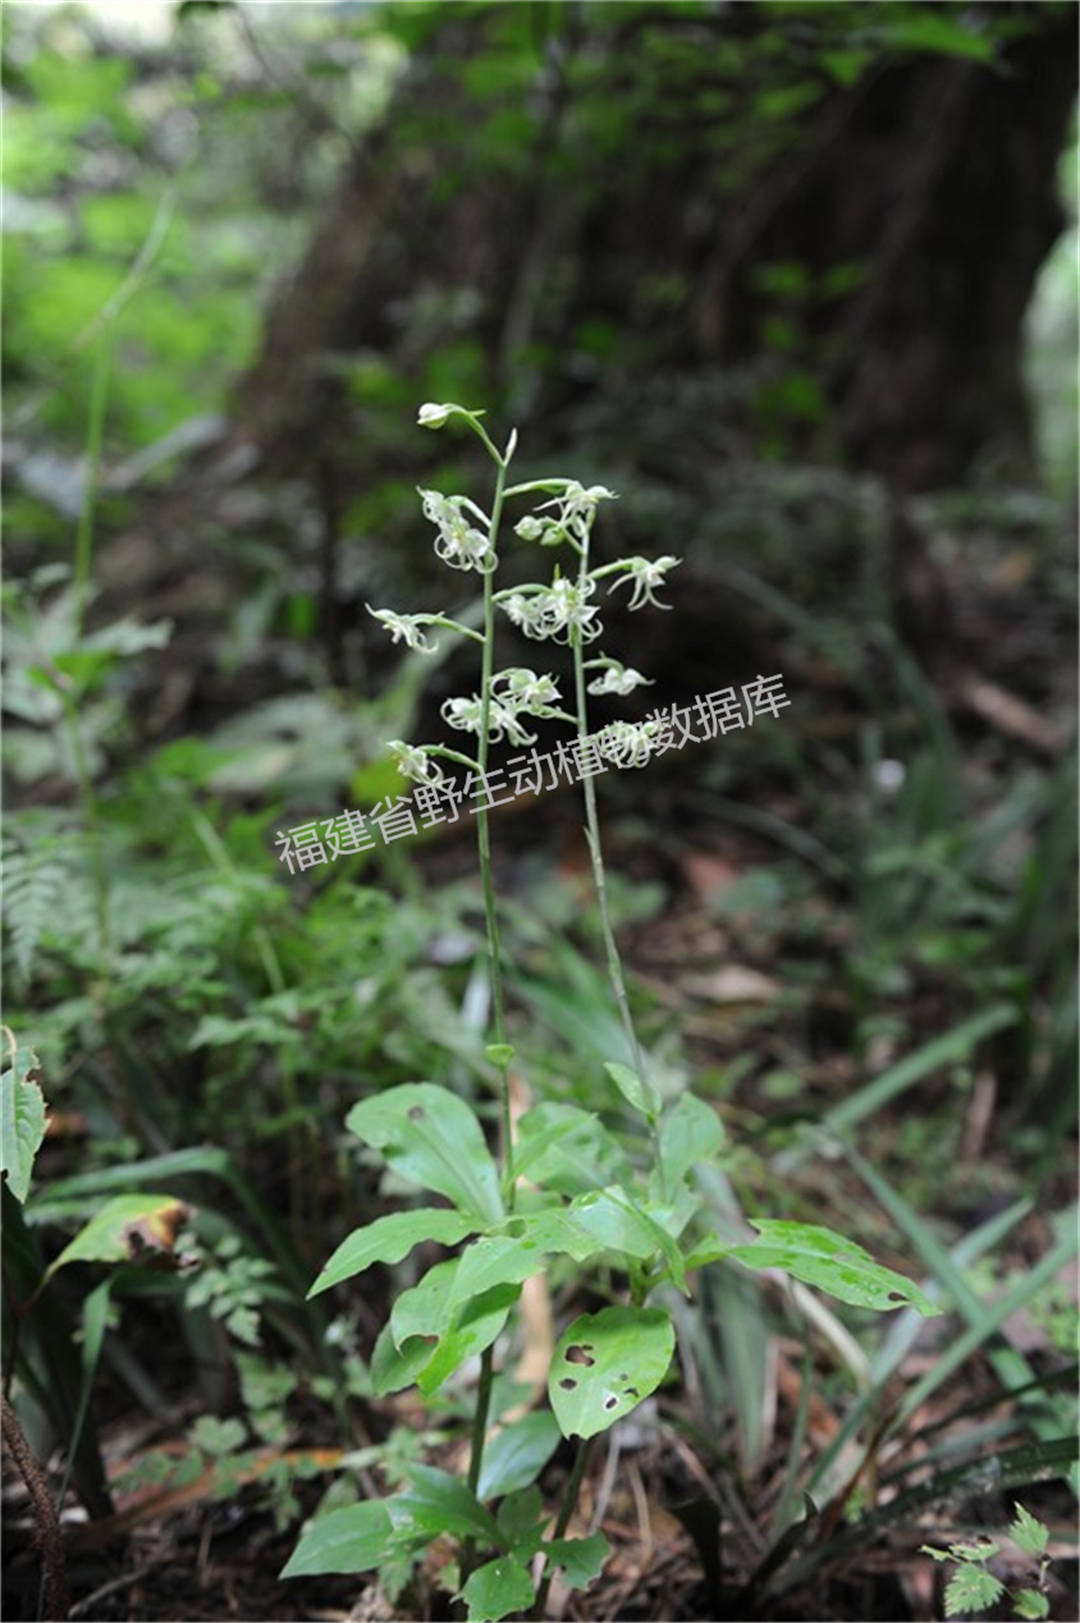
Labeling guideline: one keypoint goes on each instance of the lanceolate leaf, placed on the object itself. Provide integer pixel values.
(515, 1457)
(436, 1502)
(691, 1131)
(431, 1137)
(605, 1364)
(826, 1260)
(22, 1122)
(389, 1239)
(349, 1540)
(422, 1312)
(635, 1089)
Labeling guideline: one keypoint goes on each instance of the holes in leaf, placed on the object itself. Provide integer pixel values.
(567, 1384)
(632, 1392)
(610, 1401)
(579, 1355)
(416, 1113)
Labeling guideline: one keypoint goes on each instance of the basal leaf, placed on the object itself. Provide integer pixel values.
(436, 1502)
(389, 1239)
(497, 1589)
(515, 1456)
(605, 1364)
(431, 1137)
(22, 1121)
(827, 1261)
(354, 1539)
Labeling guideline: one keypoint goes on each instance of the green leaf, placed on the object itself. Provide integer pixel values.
(691, 1131)
(521, 1521)
(515, 1456)
(1030, 1603)
(971, 1589)
(423, 1311)
(927, 28)
(827, 1261)
(635, 1089)
(480, 1322)
(581, 1559)
(389, 1239)
(394, 1368)
(436, 1502)
(431, 1137)
(351, 1540)
(497, 1589)
(22, 1121)
(500, 1054)
(1028, 1533)
(125, 1228)
(567, 1149)
(605, 1364)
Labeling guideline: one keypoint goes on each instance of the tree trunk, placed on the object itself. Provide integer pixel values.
(854, 280)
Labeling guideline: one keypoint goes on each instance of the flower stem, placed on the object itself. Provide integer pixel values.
(596, 856)
(483, 844)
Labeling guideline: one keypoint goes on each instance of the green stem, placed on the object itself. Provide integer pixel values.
(596, 857)
(84, 538)
(483, 843)
(480, 1418)
(566, 1510)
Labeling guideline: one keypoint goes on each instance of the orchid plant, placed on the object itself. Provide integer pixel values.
(564, 1191)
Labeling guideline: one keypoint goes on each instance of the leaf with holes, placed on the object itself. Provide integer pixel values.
(22, 1121)
(431, 1137)
(389, 1239)
(826, 1260)
(604, 1365)
(497, 1589)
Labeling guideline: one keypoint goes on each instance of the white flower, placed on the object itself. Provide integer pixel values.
(406, 626)
(576, 511)
(556, 612)
(464, 714)
(413, 761)
(646, 574)
(618, 679)
(526, 691)
(432, 416)
(627, 743)
(458, 543)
